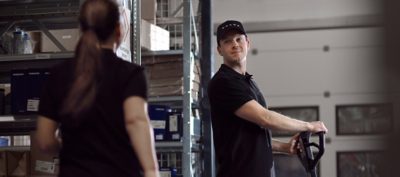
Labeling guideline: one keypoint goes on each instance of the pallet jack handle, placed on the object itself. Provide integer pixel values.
(305, 153)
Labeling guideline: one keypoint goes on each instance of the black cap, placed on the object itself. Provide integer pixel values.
(228, 26)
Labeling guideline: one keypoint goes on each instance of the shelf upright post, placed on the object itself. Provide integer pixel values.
(206, 61)
(135, 26)
(187, 98)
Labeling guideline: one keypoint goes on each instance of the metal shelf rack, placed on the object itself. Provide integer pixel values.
(191, 147)
(48, 14)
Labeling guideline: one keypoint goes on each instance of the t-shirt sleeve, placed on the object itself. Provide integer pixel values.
(47, 104)
(229, 94)
(136, 84)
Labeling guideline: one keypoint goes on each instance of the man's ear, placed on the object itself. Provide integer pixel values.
(219, 50)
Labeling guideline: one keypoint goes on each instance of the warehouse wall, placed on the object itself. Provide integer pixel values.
(325, 68)
(270, 10)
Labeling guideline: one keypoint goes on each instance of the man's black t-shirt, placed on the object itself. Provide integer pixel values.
(242, 147)
(97, 146)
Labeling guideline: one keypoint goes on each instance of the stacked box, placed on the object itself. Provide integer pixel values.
(19, 89)
(7, 98)
(165, 75)
(175, 126)
(2, 101)
(149, 14)
(18, 163)
(26, 88)
(67, 37)
(158, 116)
(35, 81)
(153, 38)
(3, 164)
(43, 164)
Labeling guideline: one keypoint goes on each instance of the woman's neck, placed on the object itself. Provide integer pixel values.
(108, 46)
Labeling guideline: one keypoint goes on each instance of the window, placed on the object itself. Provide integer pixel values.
(360, 164)
(363, 119)
(306, 113)
(289, 165)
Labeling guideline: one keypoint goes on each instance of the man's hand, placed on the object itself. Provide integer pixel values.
(287, 148)
(318, 126)
(290, 147)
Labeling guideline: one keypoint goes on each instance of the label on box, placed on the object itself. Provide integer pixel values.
(32, 105)
(164, 173)
(173, 123)
(159, 137)
(43, 166)
(176, 136)
(158, 124)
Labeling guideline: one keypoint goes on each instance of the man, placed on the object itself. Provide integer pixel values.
(241, 122)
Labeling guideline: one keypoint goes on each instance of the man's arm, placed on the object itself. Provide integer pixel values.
(254, 112)
(283, 147)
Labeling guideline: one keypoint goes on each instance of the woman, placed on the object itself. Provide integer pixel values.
(98, 102)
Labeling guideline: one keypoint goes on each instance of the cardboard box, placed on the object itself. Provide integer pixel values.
(165, 75)
(155, 59)
(21, 140)
(168, 70)
(3, 164)
(43, 164)
(171, 91)
(168, 62)
(152, 37)
(7, 98)
(149, 10)
(36, 39)
(18, 163)
(174, 81)
(67, 37)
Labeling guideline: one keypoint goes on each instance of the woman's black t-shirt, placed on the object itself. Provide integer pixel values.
(98, 144)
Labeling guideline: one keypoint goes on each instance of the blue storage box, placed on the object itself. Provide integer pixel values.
(158, 115)
(174, 126)
(4, 142)
(36, 79)
(26, 89)
(19, 88)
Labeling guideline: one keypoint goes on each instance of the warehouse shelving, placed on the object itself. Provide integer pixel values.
(18, 125)
(16, 148)
(162, 53)
(44, 15)
(35, 57)
(190, 147)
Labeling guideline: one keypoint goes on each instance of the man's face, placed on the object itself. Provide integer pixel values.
(233, 47)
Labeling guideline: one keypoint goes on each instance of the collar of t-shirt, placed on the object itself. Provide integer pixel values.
(232, 72)
(108, 52)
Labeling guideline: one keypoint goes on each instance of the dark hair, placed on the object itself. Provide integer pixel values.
(98, 20)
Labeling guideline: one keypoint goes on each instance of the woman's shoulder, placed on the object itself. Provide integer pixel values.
(129, 67)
